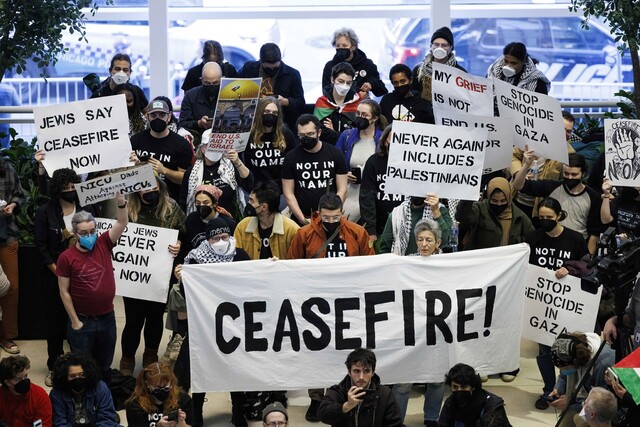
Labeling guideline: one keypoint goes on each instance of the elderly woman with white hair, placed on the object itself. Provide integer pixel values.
(367, 78)
(428, 239)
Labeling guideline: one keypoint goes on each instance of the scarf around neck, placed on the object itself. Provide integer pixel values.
(505, 218)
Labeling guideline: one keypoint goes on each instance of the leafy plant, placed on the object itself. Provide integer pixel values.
(589, 126)
(627, 107)
(32, 31)
(21, 156)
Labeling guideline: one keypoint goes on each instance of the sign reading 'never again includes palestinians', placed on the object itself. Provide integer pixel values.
(250, 328)
(432, 159)
(86, 136)
(536, 120)
(142, 263)
(556, 306)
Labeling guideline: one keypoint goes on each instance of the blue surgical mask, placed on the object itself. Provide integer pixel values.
(567, 372)
(88, 241)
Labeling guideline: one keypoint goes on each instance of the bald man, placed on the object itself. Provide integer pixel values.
(199, 104)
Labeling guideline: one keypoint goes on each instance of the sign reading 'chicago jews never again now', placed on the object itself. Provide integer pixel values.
(250, 328)
(86, 136)
(432, 159)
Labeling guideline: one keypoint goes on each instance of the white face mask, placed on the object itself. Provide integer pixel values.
(224, 248)
(120, 78)
(508, 71)
(439, 53)
(342, 90)
(213, 156)
(583, 414)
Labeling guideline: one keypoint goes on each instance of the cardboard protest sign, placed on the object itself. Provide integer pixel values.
(125, 181)
(554, 306)
(622, 151)
(459, 92)
(249, 328)
(428, 159)
(86, 136)
(142, 263)
(234, 115)
(536, 120)
(499, 144)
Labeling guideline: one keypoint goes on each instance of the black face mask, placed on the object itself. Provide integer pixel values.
(417, 201)
(152, 198)
(212, 90)
(461, 398)
(571, 183)
(330, 227)
(342, 54)
(249, 210)
(362, 123)
(160, 394)
(158, 125)
(498, 209)
(23, 386)
(269, 120)
(548, 224)
(69, 196)
(270, 72)
(308, 143)
(78, 385)
(204, 211)
(402, 91)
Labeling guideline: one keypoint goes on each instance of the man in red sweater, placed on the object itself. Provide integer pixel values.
(22, 404)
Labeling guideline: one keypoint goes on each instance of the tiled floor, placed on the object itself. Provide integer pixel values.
(519, 395)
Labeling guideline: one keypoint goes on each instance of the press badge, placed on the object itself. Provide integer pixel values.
(37, 423)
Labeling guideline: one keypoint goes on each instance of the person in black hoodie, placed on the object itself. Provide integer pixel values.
(367, 78)
(360, 399)
(211, 52)
(469, 405)
(53, 233)
(279, 80)
(403, 103)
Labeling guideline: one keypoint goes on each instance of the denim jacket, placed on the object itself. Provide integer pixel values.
(97, 402)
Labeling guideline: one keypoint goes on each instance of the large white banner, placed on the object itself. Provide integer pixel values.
(124, 181)
(142, 264)
(622, 151)
(536, 120)
(86, 136)
(426, 158)
(499, 144)
(458, 92)
(254, 323)
(556, 306)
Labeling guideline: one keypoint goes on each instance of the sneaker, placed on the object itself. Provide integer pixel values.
(312, 412)
(507, 378)
(10, 347)
(542, 403)
(430, 423)
(48, 380)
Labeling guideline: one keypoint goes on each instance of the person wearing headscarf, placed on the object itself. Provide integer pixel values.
(440, 51)
(516, 67)
(495, 220)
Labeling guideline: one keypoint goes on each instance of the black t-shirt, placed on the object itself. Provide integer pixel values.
(552, 252)
(173, 151)
(626, 213)
(412, 109)
(265, 246)
(337, 248)
(374, 200)
(265, 163)
(313, 173)
(137, 417)
(197, 231)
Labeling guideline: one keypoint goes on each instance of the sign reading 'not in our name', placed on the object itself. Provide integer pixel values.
(86, 136)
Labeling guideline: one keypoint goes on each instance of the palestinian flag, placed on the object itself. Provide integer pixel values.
(324, 107)
(628, 370)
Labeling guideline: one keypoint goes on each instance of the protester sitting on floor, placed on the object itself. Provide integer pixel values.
(469, 405)
(22, 404)
(79, 397)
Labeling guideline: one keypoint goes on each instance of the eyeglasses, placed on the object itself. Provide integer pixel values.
(165, 388)
(442, 45)
(219, 237)
(277, 423)
(364, 116)
(86, 233)
(205, 83)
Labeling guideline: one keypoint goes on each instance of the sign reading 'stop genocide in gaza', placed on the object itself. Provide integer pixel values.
(537, 120)
(86, 136)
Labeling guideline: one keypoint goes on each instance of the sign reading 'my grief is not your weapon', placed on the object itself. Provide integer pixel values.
(86, 136)
(431, 159)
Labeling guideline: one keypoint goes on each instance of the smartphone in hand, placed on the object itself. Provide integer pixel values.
(357, 172)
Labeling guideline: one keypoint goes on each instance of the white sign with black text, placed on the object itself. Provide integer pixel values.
(125, 181)
(459, 92)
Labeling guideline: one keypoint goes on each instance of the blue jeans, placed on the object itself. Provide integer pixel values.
(96, 338)
(432, 399)
(546, 368)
